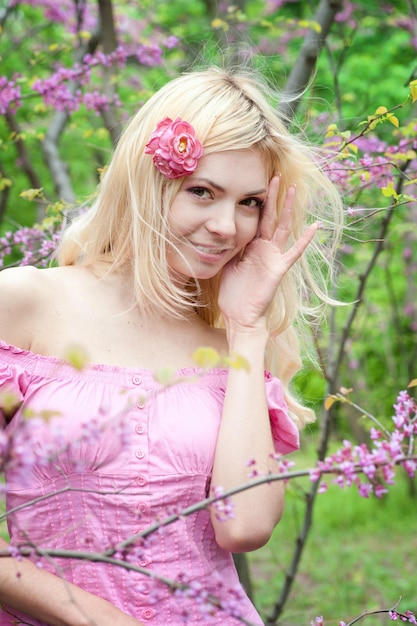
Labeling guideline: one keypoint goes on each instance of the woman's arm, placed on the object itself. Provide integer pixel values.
(245, 435)
(247, 288)
(52, 600)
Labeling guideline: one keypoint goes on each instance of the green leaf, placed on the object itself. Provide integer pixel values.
(206, 357)
(77, 357)
(389, 191)
(413, 89)
(165, 376)
(31, 194)
(237, 362)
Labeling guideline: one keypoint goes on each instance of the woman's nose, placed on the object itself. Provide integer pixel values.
(222, 222)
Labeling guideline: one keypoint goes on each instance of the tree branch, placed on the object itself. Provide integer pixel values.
(109, 42)
(4, 195)
(23, 155)
(58, 167)
(307, 59)
(24, 161)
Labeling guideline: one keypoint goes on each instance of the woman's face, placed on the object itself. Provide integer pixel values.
(216, 212)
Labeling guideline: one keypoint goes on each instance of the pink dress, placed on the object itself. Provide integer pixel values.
(99, 455)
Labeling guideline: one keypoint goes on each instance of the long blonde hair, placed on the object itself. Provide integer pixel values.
(127, 223)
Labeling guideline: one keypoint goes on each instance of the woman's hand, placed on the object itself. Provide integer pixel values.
(249, 284)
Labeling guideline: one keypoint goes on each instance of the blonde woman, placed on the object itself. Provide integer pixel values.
(202, 234)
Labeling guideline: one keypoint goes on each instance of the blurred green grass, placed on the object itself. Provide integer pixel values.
(360, 555)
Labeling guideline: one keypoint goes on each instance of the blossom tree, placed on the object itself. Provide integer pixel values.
(73, 73)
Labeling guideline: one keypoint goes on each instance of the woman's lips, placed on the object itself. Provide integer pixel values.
(209, 252)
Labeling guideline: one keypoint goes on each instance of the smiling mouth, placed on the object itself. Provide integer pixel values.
(209, 250)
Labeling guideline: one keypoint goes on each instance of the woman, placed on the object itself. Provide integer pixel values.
(198, 237)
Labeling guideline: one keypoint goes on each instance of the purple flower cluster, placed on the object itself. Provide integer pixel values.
(53, 11)
(35, 245)
(56, 92)
(208, 604)
(364, 161)
(408, 616)
(223, 505)
(371, 470)
(150, 55)
(10, 95)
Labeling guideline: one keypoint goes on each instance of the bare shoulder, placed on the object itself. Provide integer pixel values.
(23, 292)
(17, 287)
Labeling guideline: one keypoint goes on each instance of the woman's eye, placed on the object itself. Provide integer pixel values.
(255, 203)
(201, 192)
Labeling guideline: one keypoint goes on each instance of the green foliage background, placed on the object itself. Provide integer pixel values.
(364, 65)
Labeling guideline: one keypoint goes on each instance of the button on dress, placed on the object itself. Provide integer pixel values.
(102, 454)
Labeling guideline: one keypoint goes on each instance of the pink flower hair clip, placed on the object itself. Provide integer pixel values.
(175, 148)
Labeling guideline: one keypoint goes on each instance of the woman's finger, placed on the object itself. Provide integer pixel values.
(283, 230)
(299, 246)
(269, 213)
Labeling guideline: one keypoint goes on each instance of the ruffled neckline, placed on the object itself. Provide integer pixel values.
(104, 367)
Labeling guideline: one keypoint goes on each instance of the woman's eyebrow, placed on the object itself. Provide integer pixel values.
(256, 193)
(207, 181)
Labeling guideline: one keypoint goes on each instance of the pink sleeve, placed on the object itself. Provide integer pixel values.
(11, 396)
(284, 431)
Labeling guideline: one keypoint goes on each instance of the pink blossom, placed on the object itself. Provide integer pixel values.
(150, 55)
(365, 489)
(9, 95)
(171, 42)
(223, 506)
(410, 467)
(380, 491)
(377, 464)
(175, 148)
